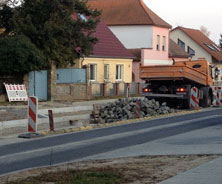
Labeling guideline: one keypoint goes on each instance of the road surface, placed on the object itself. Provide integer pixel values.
(198, 133)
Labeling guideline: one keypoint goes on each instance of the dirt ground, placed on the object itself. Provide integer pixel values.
(138, 170)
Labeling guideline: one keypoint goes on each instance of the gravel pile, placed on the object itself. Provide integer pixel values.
(124, 109)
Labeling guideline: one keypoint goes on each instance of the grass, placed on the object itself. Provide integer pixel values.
(90, 176)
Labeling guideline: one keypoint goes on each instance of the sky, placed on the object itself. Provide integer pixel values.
(190, 14)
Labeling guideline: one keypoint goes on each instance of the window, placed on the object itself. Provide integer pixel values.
(181, 44)
(92, 72)
(83, 18)
(106, 71)
(164, 43)
(158, 42)
(216, 47)
(210, 47)
(196, 66)
(119, 72)
(190, 51)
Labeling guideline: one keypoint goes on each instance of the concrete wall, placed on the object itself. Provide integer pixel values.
(96, 89)
(136, 71)
(134, 36)
(110, 89)
(70, 92)
(122, 88)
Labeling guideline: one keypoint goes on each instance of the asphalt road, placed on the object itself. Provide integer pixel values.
(159, 136)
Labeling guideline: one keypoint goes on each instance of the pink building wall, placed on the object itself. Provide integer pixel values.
(153, 56)
(136, 72)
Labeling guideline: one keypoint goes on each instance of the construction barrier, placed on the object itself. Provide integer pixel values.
(218, 96)
(194, 99)
(137, 109)
(16, 92)
(32, 114)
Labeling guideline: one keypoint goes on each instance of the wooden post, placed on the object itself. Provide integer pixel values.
(51, 120)
(52, 82)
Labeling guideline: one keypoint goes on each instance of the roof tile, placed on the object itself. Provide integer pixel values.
(108, 45)
(127, 12)
(176, 51)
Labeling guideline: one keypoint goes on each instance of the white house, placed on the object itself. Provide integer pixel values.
(198, 45)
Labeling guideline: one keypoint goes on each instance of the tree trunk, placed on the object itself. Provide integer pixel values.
(52, 82)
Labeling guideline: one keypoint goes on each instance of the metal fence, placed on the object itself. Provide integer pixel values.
(115, 89)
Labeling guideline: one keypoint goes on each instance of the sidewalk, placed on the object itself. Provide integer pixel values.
(13, 119)
(209, 173)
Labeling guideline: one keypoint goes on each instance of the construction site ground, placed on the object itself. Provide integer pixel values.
(138, 170)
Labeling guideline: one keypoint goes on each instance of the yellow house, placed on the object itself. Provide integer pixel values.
(110, 61)
(107, 70)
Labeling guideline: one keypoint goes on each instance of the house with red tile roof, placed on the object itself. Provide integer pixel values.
(110, 62)
(138, 28)
(198, 45)
(176, 53)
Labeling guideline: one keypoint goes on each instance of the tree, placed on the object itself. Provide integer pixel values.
(16, 54)
(220, 41)
(56, 28)
(204, 30)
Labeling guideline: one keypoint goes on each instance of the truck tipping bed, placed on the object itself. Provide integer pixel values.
(195, 71)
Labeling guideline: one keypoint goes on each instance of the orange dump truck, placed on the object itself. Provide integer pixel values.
(173, 83)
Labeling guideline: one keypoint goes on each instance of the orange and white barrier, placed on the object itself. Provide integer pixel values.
(194, 99)
(32, 114)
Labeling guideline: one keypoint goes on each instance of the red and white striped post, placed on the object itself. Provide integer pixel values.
(218, 96)
(32, 114)
(194, 99)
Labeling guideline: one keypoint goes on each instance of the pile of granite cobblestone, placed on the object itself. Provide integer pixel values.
(124, 109)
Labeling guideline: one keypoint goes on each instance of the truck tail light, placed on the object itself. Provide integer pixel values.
(146, 90)
(181, 90)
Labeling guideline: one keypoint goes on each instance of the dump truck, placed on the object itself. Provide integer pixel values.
(173, 83)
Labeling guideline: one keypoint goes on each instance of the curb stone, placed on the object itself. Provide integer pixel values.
(117, 123)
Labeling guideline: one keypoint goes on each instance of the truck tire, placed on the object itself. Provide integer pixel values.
(186, 104)
(207, 97)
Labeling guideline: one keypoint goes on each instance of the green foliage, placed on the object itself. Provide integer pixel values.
(54, 29)
(16, 54)
(6, 14)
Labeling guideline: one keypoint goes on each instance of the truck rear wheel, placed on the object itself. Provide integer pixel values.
(186, 104)
(207, 98)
